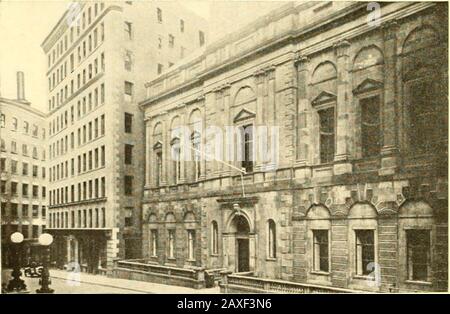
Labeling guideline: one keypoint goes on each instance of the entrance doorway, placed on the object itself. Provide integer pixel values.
(243, 255)
(242, 243)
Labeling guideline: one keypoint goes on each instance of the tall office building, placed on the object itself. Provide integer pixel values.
(23, 180)
(100, 54)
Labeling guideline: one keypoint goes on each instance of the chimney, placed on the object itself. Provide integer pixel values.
(20, 86)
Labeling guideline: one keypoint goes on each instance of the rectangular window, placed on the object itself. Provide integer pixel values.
(326, 118)
(418, 254)
(128, 30)
(154, 242)
(24, 189)
(128, 154)
(365, 251)
(160, 68)
(320, 250)
(370, 126)
(128, 217)
(128, 122)
(24, 169)
(171, 243)
(35, 211)
(35, 191)
(102, 124)
(201, 38)
(247, 149)
(191, 244)
(128, 88)
(159, 15)
(158, 168)
(182, 26)
(128, 185)
(171, 40)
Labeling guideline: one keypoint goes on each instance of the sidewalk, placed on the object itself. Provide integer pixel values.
(130, 285)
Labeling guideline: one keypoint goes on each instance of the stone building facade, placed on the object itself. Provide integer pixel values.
(356, 196)
(23, 173)
(100, 54)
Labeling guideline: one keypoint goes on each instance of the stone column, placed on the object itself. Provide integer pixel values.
(272, 113)
(184, 141)
(219, 95)
(165, 149)
(226, 121)
(342, 152)
(203, 139)
(259, 82)
(303, 118)
(69, 247)
(148, 153)
(389, 150)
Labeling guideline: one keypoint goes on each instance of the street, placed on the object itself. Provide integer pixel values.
(64, 282)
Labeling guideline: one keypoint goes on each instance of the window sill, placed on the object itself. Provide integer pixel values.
(422, 283)
(191, 260)
(363, 277)
(214, 254)
(319, 273)
(271, 259)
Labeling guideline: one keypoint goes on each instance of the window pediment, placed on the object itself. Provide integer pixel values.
(368, 85)
(244, 114)
(323, 97)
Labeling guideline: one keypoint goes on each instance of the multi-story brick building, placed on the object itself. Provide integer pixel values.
(100, 54)
(357, 197)
(23, 175)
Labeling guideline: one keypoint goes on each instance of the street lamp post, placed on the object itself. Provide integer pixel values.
(45, 240)
(16, 283)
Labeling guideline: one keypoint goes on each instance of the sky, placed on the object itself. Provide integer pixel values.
(25, 23)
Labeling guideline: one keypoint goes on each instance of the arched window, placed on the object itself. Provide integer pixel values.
(170, 226)
(416, 225)
(152, 223)
(244, 118)
(176, 159)
(214, 238)
(424, 87)
(368, 75)
(363, 239)
(324, 86)
(319, 225)
(272, 239)
(190, 225)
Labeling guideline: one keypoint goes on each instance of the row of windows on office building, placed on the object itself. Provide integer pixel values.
(24, 229)
(85, 134)
(81, 218)
(14, 191)
(83, 191)
(24, 210)
(25, 151)
(25, 172)
(26, 126)
(82, 78)
(77, 24)
(213, 237)
(182, 27)
(84, 106)
(90, 160)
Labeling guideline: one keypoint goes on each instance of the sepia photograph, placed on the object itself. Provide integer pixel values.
(222, 147)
